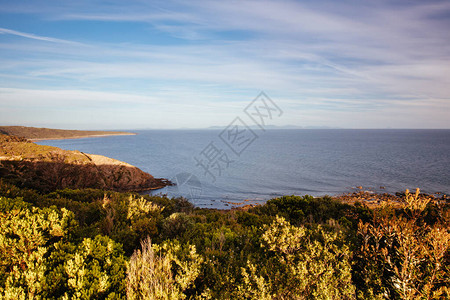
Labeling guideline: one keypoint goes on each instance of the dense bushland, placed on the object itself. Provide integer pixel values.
(94, 244)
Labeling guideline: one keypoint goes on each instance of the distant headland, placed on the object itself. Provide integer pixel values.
(35, 133)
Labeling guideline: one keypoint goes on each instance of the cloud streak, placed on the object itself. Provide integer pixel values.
(320, 57)
(36, 37)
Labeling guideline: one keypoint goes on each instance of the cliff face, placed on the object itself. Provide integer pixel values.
(49, 168)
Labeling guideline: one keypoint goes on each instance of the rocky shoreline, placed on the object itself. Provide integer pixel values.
(374, 199)
(367, 198)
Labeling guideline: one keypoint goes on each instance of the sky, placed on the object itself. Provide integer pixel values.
(193, 64)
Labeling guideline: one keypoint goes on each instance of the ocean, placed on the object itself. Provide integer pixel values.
(219, 169)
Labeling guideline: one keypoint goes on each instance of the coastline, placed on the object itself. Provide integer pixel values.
(48, 168)
(80, 137)
(364, 197)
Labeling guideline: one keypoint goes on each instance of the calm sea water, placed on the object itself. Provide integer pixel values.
(281, 162)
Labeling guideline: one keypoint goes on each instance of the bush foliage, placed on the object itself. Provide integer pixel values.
(94, 244)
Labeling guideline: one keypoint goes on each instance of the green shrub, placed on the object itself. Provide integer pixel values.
(26, 238)
(298, 263)
(162, 272)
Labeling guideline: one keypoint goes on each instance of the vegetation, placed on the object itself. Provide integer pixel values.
(95, 244)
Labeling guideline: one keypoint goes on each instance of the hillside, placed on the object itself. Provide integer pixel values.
(34, 133)
(47, 168)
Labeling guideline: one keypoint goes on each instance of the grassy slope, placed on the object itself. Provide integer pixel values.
(47, 133)
(27, 164)
(20, 148)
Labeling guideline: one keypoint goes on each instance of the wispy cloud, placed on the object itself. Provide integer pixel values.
(36, 37)
(319, 57)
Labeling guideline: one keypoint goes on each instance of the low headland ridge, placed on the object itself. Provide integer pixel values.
(47, 168)
(38, 134)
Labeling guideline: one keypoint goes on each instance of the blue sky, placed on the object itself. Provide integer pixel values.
(191, 64)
